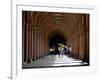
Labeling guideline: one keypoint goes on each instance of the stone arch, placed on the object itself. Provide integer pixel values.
(56, 33)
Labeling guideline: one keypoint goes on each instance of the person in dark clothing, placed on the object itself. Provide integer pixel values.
(52, 51)
(69, 49)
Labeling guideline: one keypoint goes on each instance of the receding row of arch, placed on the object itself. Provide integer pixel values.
(37, 29)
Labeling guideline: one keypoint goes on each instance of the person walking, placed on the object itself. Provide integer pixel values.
(61, 50)
(52, 51)
(69, 49)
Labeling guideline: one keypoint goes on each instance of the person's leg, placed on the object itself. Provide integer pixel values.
(51, 54)
(61, 54)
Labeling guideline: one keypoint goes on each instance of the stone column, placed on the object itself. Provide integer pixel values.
(32, 45)
(81, 39)
(86, 55)
(23, 37)
(27, 43)
(40, 43)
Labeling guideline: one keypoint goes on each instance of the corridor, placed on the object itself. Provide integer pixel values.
(55, 60)
(50, 33)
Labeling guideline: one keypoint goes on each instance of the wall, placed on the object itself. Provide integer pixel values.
(5, 30)
(79, 38)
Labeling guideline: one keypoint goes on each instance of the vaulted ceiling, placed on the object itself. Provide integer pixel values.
(54, 19)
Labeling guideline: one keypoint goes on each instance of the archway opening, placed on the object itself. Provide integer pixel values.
(54, 41)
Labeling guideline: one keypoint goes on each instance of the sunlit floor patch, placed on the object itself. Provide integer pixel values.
(55, 60)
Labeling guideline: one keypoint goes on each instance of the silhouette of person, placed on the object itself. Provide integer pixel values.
(52, 50)
(69, 49)
(61, 50)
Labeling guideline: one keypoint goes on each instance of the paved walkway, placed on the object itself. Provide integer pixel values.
(55, 60)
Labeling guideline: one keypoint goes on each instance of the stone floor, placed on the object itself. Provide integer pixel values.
(54, 60)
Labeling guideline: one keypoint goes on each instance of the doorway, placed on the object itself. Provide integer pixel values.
(54, 41)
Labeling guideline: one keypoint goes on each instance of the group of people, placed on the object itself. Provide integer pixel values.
(61, 49)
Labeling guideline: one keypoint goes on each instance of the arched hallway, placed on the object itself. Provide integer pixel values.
(44, 30)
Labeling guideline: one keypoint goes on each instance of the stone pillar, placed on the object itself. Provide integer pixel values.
(40, 43)
(23, 37)
(27, 43)
(37, 43)
(82, 39)
(32, 46)
(35, 53)
(86, 30)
